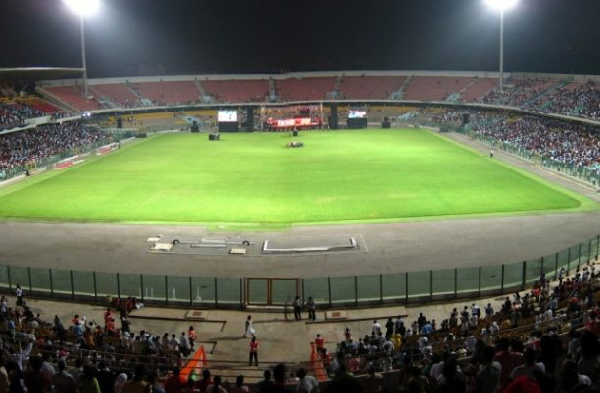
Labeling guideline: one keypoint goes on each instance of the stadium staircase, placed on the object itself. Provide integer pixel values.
(200, 88)
(223, 358)
(458, 95)
(103, 99)
(118, 94)
(548, 90)
(399, 94)
(55, 100)
(133, 90)
(273, 97)
(337, 93)
(73, 97)
(478, 89)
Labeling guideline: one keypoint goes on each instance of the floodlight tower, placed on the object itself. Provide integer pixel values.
(501, 6)
(83, 8)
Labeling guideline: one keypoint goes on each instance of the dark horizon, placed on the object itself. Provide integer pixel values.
(155, 37)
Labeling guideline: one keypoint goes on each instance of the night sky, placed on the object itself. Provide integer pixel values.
(159, 37)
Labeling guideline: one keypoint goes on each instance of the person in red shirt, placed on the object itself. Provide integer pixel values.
(354, 364)
(192, 336)
(107, 315)
(175, 383)
(253, 352)
(319, 344)
(507, 359)
(110, 326)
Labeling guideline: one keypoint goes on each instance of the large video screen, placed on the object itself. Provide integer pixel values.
(357, 114)
(300, 122)
(227, 116)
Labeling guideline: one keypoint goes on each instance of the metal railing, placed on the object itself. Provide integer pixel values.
(215, 292)
(586, 175)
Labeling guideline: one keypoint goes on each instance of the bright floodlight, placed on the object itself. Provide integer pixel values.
(501, 4)
(83, 7)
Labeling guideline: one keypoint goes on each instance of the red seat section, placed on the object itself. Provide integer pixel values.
(304, 89)
(434, 88)
(73, 96)
(42, 105)
(118, 93)
(370, 87)
(237, 90)
(479, 89)
(170, 93)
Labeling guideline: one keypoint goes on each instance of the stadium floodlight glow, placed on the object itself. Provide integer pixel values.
(501, 5)
(83, 8)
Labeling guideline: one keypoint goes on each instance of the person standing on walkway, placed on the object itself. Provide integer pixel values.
(297, 308)
(249, 328)
(311, 307)
(389, 328)
(184, 344)
(19, 293)
(319, 344)
(253, 352)
(192, 337)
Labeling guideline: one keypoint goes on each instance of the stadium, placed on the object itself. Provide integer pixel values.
(198, 198)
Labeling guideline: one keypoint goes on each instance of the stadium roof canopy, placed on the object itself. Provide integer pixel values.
(38, 73)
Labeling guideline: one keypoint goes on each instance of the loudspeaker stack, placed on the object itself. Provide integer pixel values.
(333, 117)
(250, 119)
(386, 123)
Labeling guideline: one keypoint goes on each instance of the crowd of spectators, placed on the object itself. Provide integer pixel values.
(568, 98)
(516, 93)
(543, 340)
(83, 355)
(18, 149)
(581, 101)
(9, 118)
(567, 143)
(14, 114)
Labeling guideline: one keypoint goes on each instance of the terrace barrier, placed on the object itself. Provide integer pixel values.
(586, 175)
(214, 292)
(47, 162)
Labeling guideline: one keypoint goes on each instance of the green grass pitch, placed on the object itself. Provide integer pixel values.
(254, 179)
